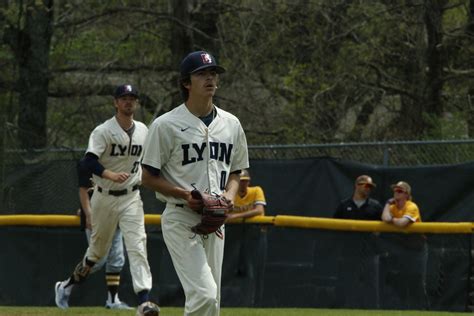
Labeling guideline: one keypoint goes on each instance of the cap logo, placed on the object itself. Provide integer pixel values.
(206, 58)
(128, 88)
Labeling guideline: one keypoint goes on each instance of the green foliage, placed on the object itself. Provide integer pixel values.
(107, 43)
(457, 16)
(298, 72)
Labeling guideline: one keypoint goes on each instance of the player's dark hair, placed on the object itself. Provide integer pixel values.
(181, 82)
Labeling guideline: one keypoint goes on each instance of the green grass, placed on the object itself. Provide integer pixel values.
(175, 311)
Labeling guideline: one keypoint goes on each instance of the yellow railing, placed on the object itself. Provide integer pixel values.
(279, 220)
(371, 226)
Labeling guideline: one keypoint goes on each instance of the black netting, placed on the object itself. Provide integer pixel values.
(264, 266)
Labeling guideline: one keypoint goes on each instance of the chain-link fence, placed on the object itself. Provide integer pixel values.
(394, 153)
(31, 179)
(401, 153)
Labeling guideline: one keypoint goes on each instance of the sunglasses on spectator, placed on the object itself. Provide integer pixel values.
(398, 191)
(366, 185)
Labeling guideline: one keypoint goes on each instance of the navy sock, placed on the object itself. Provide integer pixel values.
(143, 296)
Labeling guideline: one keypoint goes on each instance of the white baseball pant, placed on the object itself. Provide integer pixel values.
(197, 260)
(126, 211)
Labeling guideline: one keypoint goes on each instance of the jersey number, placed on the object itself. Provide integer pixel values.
(135, 167)
(223, 180)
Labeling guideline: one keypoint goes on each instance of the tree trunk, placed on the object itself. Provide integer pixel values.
(423, 73)
(411, 121)
(184, 39)
(434, 58)
(470, 33)
(32, 54)
(181, 40)
(181, 37)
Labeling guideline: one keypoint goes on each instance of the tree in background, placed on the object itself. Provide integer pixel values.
(28, 32)
(299, 71)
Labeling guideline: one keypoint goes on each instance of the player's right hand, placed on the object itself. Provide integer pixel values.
(194, 204)
(122, 177)
(118, 177)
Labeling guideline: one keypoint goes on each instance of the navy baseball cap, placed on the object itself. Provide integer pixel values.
(199, 60)
(125, 89)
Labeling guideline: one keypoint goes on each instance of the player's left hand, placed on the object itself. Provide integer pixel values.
(213, 214)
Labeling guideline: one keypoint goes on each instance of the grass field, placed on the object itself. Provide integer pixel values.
(174, 311)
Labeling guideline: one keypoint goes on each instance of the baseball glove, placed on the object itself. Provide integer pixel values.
(213, 213)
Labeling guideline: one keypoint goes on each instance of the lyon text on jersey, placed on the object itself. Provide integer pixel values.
(124, 150)
(218, 151)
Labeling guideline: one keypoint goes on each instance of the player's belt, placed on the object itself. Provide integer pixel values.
(177, 205)
(118, 192)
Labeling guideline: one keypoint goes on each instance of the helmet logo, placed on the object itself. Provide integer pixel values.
(206, 58)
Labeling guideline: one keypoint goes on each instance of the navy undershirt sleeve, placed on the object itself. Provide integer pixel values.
(84, 175)
(154, 171)
(92, 163)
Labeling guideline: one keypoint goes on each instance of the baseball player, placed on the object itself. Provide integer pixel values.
(115, 259)
(196, 145)
(250, 201)
(113, 156)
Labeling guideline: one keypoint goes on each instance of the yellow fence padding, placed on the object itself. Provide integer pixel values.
(279, 220)
(254, 220)
(39, 220)
(57, 220)
(371, 226)
(152, 219)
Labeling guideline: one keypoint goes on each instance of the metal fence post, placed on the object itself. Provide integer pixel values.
(386, 155)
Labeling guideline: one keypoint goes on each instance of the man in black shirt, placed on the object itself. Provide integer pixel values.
(360, 205)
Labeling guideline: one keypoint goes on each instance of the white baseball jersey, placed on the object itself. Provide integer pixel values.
(191, 154)
(118, 152)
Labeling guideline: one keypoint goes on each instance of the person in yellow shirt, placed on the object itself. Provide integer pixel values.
(249, 201)
(400, 210)
(251, 240)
